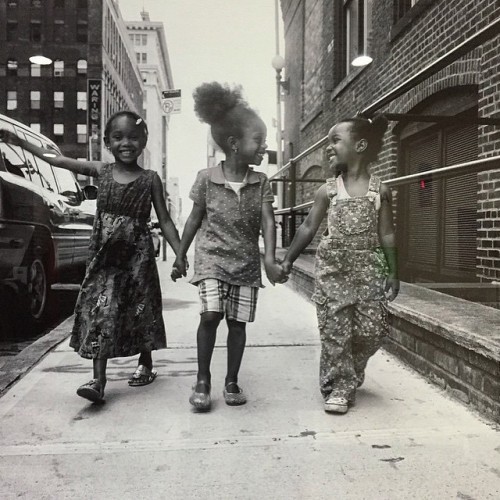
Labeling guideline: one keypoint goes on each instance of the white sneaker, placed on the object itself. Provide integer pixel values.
(335, 404)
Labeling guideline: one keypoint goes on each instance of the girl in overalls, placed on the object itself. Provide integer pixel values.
(356, 268)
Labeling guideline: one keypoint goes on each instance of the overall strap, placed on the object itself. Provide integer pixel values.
(374, 184)
(331, 187)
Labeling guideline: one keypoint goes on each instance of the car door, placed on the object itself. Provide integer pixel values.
(82, 213)
(61, 217)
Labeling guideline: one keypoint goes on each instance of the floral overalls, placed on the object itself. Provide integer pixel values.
(350, 271)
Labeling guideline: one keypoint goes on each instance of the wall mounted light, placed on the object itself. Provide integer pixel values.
(362, 60)
(41, 60)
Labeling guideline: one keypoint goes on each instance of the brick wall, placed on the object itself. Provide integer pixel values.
(399, 51)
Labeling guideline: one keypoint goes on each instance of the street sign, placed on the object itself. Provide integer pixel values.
(171, 101)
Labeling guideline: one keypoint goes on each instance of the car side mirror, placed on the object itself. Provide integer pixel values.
(90, 192)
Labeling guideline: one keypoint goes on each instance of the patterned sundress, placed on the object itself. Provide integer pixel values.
(119, 308)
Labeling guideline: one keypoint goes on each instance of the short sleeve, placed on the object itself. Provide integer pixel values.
(267, 193)
(198, 192)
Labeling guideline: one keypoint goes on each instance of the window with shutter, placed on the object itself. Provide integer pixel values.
(438, 237)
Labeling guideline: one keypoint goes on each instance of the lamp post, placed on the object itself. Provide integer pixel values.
(278, 63)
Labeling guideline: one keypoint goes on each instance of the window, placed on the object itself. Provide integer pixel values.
(81, 32)
(36, 70)
(58, 68)
(11, 31)
(58, 31)
(144, 39)
(356, 32)
(58, 100)
(59, 131)
(82, 4)
(81, 133)
(144, 58)
(35, 127)
(81, 67)
(13, 159)
(12, 4)
(12, 67)
(36, 4)
(45, 173)
(58, 4)
(35, 99)
(81, 100)
(401, 7)
(35, 31)
(67, 185)
(138, 57)
(11, 99)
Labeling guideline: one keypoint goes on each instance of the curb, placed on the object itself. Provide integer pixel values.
(16, 367)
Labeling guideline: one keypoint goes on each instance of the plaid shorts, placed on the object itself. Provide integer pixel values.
(237, 302)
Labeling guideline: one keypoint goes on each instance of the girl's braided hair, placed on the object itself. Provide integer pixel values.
(224, 109)
(371, 129)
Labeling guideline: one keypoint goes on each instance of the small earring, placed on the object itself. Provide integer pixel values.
(235, 149)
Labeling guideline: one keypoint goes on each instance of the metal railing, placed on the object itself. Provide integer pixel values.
(483, 35)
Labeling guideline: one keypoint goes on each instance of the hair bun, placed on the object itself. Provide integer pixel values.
(379, 123)
(212, 101)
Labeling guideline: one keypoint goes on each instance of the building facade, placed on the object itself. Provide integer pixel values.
(94, 72)
(150, 46)
(448, 229)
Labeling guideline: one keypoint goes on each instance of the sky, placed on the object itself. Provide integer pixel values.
(229, 41)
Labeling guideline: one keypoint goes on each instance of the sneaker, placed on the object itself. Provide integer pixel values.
(336, 404)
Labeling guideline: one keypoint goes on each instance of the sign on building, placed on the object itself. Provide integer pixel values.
(171, 101)
(94, 94)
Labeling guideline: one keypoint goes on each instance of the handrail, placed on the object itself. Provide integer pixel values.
(437, 173)
(461, 49)
(299, 157)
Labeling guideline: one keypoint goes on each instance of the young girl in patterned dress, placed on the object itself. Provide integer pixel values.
(119, 308)
(355, 259)
(231, 204)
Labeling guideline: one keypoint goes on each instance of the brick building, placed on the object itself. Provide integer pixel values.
(448, 228)
(94, 71)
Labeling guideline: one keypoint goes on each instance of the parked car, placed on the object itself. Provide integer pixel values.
(45, 222)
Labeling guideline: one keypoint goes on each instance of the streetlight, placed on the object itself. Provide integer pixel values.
(362, 60)
(278, 63)
(41, 60)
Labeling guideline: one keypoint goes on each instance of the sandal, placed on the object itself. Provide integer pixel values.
(142, 376)
(92, 391)
(201, 400)
(234, 398)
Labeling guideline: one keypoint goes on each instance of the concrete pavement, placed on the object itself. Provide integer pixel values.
(403, 439)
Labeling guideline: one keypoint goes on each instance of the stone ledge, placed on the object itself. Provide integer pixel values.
(468, 324)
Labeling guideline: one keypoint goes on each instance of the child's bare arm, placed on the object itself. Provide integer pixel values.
(193, 223)
(90, 168)
(274, 271)
(167, 226)
(387, 240)
(308, 228)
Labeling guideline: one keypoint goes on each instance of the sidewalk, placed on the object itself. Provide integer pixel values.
(403, 439)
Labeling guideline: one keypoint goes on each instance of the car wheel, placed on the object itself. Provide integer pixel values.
(37, 289)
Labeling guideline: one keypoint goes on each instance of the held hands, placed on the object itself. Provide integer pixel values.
(275, 272)
(179, 268)
(392, 285)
